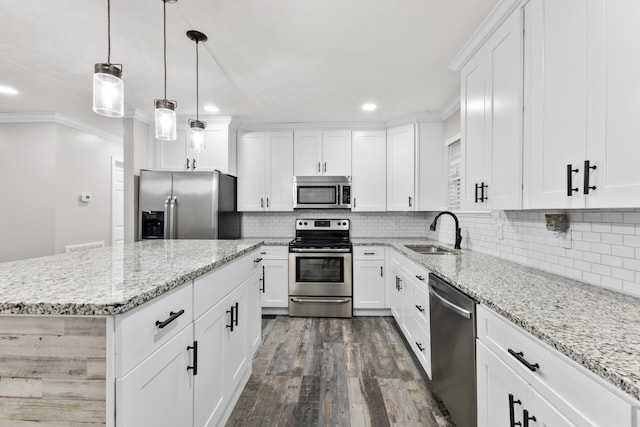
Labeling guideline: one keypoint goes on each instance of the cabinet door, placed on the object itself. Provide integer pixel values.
(501, 393)
(613, 107)
(401, 168)
(473, 119)
(307, 153)
(503, 166)
(555, 102)
(159, 391)
(336, 153)
(279, 174)
(255, 311)
(215, 156)
(369, 284)
(252, 155)
(369, 166)
(210, 399)
(172, 155)
(237, 344)
(276, 283)
(395, 296)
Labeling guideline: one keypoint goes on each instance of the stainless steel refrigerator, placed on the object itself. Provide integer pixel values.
(187, 205)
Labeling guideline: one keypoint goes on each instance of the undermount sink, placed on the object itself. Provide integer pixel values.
(433, 250)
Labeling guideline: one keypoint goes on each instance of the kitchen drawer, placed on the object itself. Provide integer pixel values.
(274, 252)
(137, 335)
(421, 304)
(421, 345)
(210, 288)
(573, 389)
(364, 253)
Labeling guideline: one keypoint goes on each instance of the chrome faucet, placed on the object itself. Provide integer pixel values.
(432, 227)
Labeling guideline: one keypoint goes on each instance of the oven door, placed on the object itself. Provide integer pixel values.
(320, 274)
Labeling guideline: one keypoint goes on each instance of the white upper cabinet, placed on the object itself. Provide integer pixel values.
(581, 87)
(369, 166)
(218, 153)
(491, 121)
(265, 171)
(401, 168)
(322, 153)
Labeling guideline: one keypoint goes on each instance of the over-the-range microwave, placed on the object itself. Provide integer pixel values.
(322, 192)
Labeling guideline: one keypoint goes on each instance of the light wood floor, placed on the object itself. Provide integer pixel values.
(336, 372)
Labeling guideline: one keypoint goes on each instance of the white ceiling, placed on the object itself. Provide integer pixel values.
(265, 60)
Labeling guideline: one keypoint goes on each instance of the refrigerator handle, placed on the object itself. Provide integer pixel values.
(166, 217)
(172, 216)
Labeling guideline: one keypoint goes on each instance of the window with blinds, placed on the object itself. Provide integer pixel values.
(454, 158)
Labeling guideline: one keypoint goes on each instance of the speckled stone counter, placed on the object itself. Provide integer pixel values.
(598, 328)
(110, 280)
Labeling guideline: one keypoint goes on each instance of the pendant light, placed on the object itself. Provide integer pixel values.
(108, 87)
(165, 109)
(197, 127)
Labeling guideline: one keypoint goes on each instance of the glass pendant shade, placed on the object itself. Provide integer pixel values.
(165, 120)
(108, 90)
(196, 136)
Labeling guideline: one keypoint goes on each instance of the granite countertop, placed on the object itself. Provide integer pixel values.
(110, 280)
(596, 327)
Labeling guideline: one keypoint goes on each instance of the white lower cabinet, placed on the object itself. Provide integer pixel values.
(516, 372)
(159, 391)
(369, 279)
(275, 278)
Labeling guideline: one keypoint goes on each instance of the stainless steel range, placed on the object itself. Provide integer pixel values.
(320, 269)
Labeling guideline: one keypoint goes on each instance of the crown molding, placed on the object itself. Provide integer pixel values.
(62, 119)
(496, 17)
(413, 118)
(450, 108)
(258, 127)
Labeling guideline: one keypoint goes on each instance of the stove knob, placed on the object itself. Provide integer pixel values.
(305, 223)
(300, 223)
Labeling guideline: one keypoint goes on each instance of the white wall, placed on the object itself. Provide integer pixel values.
(137, 154)
(44, 167)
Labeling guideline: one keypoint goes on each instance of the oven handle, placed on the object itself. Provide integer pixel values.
(308, 250)
(335, 301)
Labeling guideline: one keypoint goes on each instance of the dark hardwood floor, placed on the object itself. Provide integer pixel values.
(336, 372)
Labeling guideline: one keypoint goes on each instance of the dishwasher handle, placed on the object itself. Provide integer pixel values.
(451, 306)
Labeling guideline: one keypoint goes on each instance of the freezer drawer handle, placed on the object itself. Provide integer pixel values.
(520, 356)
(172, 316)
(335, 301)
(458, 310)
(194, 347)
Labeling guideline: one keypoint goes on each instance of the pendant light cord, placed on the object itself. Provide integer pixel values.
(197, 84)
(109, 32)
(165, 47)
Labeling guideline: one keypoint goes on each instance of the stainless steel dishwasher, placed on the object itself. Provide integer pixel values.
(453, 350)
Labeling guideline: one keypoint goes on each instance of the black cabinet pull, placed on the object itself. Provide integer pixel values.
(257, 260)
(262, 280)
(520, 356)
(476, 198)
(483, 198)
(193, 162)
(172, 316)
(419, 277)
(570, 171)
(236, 317)
(187, 164)
(525, 415)
(410, 201)
(420, 347)
(230, 325)
(588, 167)
(369, 253)
(420, 308)
(194, 347)
(512, 410)
(381, 271)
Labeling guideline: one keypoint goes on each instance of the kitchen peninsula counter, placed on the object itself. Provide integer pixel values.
(596, 327)
(110, 280)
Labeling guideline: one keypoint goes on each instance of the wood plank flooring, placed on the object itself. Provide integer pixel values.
(336, 372)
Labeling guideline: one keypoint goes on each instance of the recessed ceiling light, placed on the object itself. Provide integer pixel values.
(6, 90)
(369, 107)
(211, 108)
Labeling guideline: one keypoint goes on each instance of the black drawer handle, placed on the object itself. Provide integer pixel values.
(236, 318)
(257, 260)
(419, 277)
(230, 325)
(526, 417)
(420, 347)
(520, 356)
(172, 316)
(420, 308)
(512, 410)
(194, 347)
